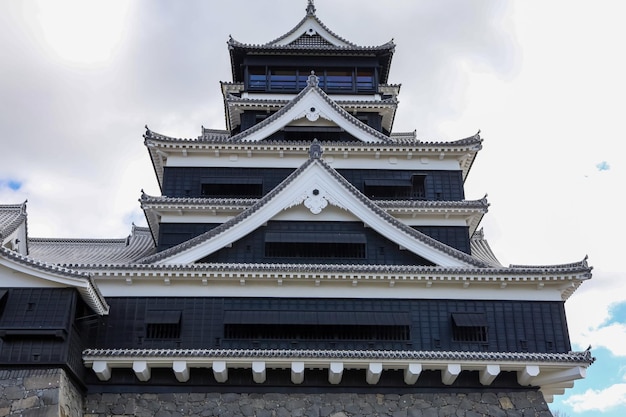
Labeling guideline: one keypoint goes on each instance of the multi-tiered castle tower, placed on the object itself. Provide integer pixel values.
(305, 248)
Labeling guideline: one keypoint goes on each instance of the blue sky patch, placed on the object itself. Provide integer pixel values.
(10, 184)
(603, 166)
(618, 313)
(608, 369)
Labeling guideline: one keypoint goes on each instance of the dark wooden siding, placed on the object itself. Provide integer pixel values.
(187, 182)
(43, 327)
(512, 326)
(251, 248)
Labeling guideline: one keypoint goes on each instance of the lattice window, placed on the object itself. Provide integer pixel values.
(315, 245)
(317, 325)
(469, 327)
(316, 332)
(163, 324)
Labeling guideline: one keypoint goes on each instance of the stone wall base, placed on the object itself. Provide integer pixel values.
(477, 404)
(39, 393)
(50, 393)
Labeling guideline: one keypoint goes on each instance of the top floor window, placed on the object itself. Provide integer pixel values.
(277, 80)
(412, 188)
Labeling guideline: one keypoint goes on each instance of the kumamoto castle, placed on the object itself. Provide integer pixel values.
(307, 260)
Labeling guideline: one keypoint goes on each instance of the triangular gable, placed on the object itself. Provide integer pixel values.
(20, 271)
(315, 185)
(310, 27)
(311, 103)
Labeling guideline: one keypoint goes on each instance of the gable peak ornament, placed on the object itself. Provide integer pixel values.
(315, 150)
(313, 81)
(310, 8)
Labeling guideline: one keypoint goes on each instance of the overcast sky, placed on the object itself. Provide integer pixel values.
(543, 80)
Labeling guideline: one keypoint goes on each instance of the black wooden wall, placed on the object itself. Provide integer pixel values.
(511, 326)
(251, 248)
(43, 327)
(187, 182)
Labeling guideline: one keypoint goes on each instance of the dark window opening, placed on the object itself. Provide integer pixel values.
(339, 80)
(314, 250)
(401, 189)
(162, 331)
(365, 80)
(353, 80)
(326, 134)
(232, 187)
(469, 327)
(257, 78)
(163, 324)
(315, 245)
(284, 80)
(317, 332)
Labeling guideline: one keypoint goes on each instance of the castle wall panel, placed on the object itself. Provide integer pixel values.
(512, 326)
(251, 248)
(187, 181)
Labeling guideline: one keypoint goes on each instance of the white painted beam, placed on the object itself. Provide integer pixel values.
(374, 370)
(142, 370)
(525, 376)
(572, 374)
(563, 385)
(450, 373)
(489, 373)
(220, 371)
(553, 391)
(297, 372)
(412, 373)
(258, 372)
(557, 389)
(102, 370)
(335, 372)
(181, 371)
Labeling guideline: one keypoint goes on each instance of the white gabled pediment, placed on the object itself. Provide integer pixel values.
(315, 186)
(311, 107)
(310, 26)
(17, 271)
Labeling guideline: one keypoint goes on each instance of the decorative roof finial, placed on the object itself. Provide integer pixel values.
(313, 81)
(315, 150)
(310, 9)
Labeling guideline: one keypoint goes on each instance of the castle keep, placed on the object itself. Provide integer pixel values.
(307, 259)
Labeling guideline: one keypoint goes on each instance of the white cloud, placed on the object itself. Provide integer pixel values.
(597, 326)
(82, 31)
(598, 400)
(611, 337)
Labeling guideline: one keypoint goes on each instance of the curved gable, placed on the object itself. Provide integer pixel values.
(311, 104)
(315, 185)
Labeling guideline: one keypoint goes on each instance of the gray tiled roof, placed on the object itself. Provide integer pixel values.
(163, 201)
(89, 291)
(577, 268)
(404, 139)
(570, 357)
(93, 251)
(11, 217)
(310, 42)
(480, 249)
